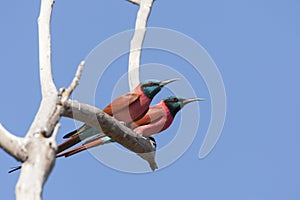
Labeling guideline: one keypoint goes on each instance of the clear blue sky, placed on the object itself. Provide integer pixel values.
(255, 45)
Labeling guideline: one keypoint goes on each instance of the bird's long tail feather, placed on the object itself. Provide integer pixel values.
(69, 143)
(96, 137)
(68, 135)
(88, 145)
(14, 169)
(76, 136)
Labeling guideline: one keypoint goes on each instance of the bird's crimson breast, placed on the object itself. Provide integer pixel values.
(158, 119)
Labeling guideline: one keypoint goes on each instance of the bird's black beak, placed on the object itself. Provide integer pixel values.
(163, 83)
(186, 101)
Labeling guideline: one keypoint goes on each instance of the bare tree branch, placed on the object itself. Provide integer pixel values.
(74, 83)
(49, 91)
(46, 79)
(12, 145)
(137, 41)
(112, 128)
(40, 150)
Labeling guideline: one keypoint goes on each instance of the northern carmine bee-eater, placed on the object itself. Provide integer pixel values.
(157, 119)
(160, 117)
(126, 108)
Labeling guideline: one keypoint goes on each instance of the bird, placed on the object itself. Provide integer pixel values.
(126, 108)
(158, 118)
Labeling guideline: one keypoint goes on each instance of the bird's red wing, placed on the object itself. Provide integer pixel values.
(120, 103)
(154, 114)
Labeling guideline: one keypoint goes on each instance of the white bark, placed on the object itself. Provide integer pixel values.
(137, 41)
(49, 91)
(41, 150)
(12, 145)
(74, 83)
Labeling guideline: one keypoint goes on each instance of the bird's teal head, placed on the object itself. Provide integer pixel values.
(151, 87)
(174, 103)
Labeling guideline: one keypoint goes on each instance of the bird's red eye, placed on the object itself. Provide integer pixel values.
(174, 99)
(151, 83)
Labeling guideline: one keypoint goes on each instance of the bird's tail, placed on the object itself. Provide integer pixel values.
(70, 134)
(76, 136)
(68, 143)
(90, 144)
(14, 169)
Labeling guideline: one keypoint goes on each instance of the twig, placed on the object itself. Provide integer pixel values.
(55, 132)
(74, 83)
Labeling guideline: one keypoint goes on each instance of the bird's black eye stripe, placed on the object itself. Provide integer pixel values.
(152, 84)
(174, 99)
